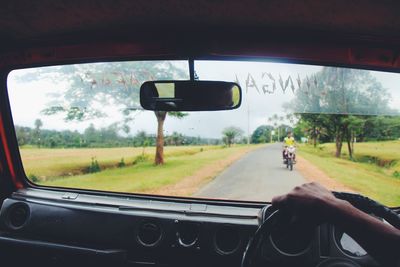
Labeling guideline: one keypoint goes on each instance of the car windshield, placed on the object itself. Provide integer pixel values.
(82, 126)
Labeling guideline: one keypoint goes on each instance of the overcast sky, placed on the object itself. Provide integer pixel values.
(28, 99)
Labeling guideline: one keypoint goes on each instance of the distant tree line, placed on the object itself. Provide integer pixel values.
(103, 137)
(328, 108)
(318, 128)
(270, 133)
(339, 105)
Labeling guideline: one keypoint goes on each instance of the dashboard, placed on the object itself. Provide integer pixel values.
(63, 228)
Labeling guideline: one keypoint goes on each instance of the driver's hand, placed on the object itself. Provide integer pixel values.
(308, 199)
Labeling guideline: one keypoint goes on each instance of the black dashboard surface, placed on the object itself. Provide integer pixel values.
(65, 228)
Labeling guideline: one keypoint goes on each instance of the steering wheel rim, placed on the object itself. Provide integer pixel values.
(362, 203)
(370, 206)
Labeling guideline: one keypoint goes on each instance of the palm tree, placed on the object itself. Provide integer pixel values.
(230, 134)
(38, 124)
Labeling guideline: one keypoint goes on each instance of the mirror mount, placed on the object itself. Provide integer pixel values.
(191, 69)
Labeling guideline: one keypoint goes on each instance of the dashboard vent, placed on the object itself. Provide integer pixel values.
(227, 240)
(149, 234)
(187, 234)
(18, 215)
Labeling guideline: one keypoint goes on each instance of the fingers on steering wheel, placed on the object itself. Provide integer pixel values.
(278, 201)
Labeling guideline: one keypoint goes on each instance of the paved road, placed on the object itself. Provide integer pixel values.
(259, 175)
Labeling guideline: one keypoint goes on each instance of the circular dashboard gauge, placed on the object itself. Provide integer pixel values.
(294, 245)
(292, 239)
(149, 234)
(348, 245)
(227, 240)
(187, 234)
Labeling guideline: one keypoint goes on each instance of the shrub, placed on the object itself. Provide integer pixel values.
(121, 164)
(396, 174)
(33, 178)
(94, 166)
(140, 158)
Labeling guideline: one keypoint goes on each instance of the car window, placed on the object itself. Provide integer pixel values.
(81, 126)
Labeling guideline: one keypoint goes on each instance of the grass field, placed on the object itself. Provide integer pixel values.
(181, 162)
(47, 164)
(374, 172)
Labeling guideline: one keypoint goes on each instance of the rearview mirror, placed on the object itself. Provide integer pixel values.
(190, 95)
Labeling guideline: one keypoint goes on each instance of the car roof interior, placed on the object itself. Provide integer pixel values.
(361, 33)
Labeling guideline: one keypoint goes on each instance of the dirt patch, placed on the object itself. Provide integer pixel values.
(191, 184)
(313, 174)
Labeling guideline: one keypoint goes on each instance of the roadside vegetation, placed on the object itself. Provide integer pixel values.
(47, 164)
(350, 129)
(144, 176)
(106, 159)
(373, 171)
(105, 137)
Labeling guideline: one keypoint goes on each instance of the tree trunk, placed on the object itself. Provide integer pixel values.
(349, 143)
(339, 143)
(159, 158)
(315, 136)
(349, 147)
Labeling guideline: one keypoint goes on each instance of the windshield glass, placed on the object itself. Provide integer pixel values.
(81, 126)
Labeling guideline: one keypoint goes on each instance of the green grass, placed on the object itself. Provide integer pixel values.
(51, 163)
(145, 176)
(373, 178)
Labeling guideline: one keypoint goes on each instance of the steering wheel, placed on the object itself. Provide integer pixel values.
(267, 227)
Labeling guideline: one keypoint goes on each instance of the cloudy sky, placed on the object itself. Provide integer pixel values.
(28, 99)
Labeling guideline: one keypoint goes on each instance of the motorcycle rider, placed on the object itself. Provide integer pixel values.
(288, 141)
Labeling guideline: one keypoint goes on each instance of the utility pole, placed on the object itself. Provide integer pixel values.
(248, 123)
(279, 134)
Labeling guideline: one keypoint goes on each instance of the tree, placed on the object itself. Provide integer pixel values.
(311, 126)
(90, 134)
(354, 126)
(161, 115)
(380, 128)
(273, 121)
(92, 86)
(38, 125)
(143, 140)
(279, 127)
(22, 135)
(327, 99)
(230, 134)
(262, 134)
(140, 138)
(175, 139)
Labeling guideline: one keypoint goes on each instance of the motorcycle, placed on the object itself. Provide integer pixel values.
(289, 157)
